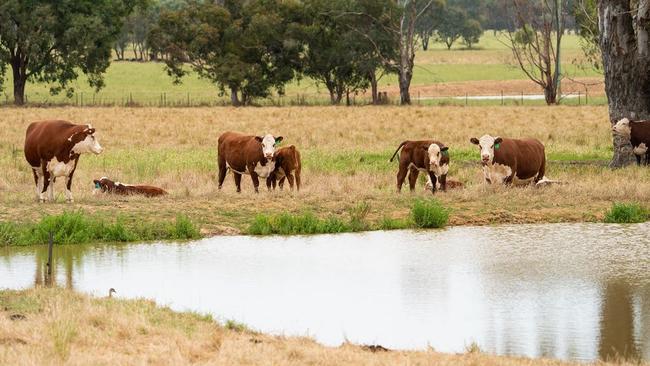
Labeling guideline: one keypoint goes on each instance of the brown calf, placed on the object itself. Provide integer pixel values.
(287, 165)
(246, 155)
(638, 133)
(511, 161)
(106, 185)
(428, 156)
(52, 149)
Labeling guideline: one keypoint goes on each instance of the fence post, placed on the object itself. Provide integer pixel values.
(188, 99)
(578, 98)
(522, 97)
(586, 96)
(49, 259)
(502, 97)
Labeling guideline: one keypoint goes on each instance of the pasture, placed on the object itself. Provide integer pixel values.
(345, 154)
(486, 69)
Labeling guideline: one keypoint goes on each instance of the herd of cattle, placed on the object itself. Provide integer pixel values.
(53, 148)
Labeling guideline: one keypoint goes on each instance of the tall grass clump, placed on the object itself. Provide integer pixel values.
(79, 227)
(288, 224)
(626, 213)
(429, 214)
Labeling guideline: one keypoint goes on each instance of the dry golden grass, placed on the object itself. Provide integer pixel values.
(60, 327)
(345, 154)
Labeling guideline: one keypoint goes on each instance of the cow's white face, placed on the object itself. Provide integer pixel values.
(268, 145)
(435, 155)
(89, 144)
(486, 145)
(622, 127)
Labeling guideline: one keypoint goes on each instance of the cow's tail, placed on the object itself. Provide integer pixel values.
(396, 151)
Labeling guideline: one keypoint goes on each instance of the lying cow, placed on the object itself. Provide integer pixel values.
(243, 154)
(638, 133)
(430, 157)
(106, 185)
(511, 161)
(52, 149)
(287, 165)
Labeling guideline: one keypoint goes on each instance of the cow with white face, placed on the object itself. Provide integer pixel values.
(511, 161)
(244, 154)
(638, 134)
(427, 156)
(53, 148)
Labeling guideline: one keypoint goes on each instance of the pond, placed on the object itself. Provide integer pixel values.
(568, 291)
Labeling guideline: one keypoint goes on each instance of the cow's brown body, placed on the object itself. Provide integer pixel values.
(243, 155)
(52, 149)
(287, 166)
(640, 139)
(517, 160)
(414, 158)
(106, 185)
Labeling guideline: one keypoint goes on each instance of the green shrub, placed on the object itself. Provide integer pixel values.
(288, 224)
(626, 213)
(388, 223)
(184, 228)
(429, 214)
(358, 216)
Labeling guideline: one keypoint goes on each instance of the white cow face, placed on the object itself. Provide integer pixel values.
(86, 142)
(435, 153)
(268, 145)
(622, 127)
(486, 145)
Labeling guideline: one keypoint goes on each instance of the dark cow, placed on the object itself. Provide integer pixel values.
(246, 155)
(287, 165)
(638, 132)
(52, 149)
(511, 161)
(428, 156)
(106, 185)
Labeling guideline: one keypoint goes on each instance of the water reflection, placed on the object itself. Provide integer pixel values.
(563, 291)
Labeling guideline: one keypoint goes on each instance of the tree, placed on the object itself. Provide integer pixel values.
(472, 32)
(452, 26)
(536, 44)
(51, 41)
(624, 41)
(585, 13)
(429, 21)
(245, 48)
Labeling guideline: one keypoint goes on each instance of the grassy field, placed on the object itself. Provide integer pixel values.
(345, 157)
(56, 326)
(489, 68)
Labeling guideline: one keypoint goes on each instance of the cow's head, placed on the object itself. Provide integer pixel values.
(103, 184)
(268, 145)
(435, 153)
(487, 144)
(622, 127)
(84, 141)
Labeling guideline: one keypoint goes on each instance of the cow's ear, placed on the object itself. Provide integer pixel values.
(474, 140)
(498, 140)
(444, 148)
(279, 139)
(259, 139)
(91, 131)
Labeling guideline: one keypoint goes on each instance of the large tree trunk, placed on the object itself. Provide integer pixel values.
(374, 87)
(626, 63)
(234, 98)
(20, 80)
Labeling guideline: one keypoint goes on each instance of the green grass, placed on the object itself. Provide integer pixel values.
(626, 213)
(429, 214)
(79, 228)
(288, 224)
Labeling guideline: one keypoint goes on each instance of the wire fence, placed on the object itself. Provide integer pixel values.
(188, 99)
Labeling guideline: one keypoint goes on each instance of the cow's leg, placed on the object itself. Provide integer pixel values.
(37, 181)
(269, 181)
(50, 189)
(297, 174)
(401, 175)
(413, 178)
(46, 181)
(237, 181)
(443, 182)
(647, 158)
(223, 169)
(256, 181)
(434, 181)
(281, 182)
(68, 188)
(638, 159)
(290, 180)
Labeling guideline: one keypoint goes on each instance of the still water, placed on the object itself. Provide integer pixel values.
(569, 291)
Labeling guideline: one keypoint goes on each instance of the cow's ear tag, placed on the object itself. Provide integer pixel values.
(97, 185)
(496, 146)
(445, 153)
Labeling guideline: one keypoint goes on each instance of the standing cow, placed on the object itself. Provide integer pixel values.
(511, 161)
(243, 154)
(52, 149)
(430, 157)
(638, 133)
(287, 166)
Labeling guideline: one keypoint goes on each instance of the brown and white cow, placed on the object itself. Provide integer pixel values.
(511, 161)
(52, 149)
(244, 154)
(287, 166)
(427, 156)
(106, 185)
(638, 133)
